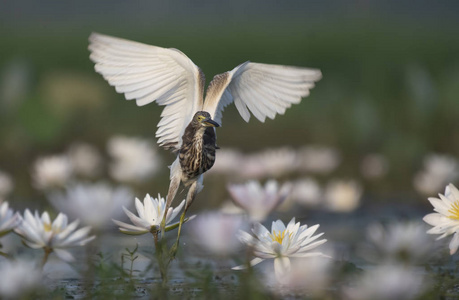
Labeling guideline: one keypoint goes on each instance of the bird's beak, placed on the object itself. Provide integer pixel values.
(210, 123)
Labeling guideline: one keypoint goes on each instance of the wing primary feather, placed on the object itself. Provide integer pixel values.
(154, 96)
(148, 85)
(273, 101)
(151, 74)
(262, 90)
(278, 105)
(290, 85)
(241, 106)
(148, 91)
(242, 93)
(102, 57)
(256, 105)
(126, 79)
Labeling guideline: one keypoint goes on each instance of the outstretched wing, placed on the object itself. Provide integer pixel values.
(264, 90)
(149, 73)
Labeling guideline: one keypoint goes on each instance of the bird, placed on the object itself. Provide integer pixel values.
(168, 77)
(197, 154)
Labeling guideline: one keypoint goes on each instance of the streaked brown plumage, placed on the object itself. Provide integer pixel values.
(197, 154)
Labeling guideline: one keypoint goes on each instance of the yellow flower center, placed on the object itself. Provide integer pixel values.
(279, 237)
(47, 227)
(454, 211)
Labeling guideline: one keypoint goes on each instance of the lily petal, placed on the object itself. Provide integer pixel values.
(281, 266)
(253, 262)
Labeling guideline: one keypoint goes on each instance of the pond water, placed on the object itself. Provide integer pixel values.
(344, 232)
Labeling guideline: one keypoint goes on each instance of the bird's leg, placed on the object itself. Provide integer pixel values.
(189, 199)
(173, 187)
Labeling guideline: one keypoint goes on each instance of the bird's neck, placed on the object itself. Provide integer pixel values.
(193, 135)
(199, 134)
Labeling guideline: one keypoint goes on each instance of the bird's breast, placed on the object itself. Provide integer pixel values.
(197, 155)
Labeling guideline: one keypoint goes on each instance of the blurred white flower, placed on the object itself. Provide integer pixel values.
(151, 214)
(38, 232)
(374, 166)
(277, 162)
(86, 159)
(306, 277)
(51, 172)
(10, 244)
(342, 196)
(281, 244)
(216, 232)
(446, 218)
(388, 282)
(19, 278)
(404, 243)
(257, 200)
(253, 167)
(425, 184)
(438, 171)
(8, 219)
(134, 159)
(94, 204)
(229, 162)
(306, 191)
(318, 159)
(270, 163)
(6, 185)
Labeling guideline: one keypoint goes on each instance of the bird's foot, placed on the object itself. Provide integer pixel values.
(174, 248)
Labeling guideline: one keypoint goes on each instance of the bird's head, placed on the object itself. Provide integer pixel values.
(203, 119)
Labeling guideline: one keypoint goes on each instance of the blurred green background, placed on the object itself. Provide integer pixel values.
(390, 77)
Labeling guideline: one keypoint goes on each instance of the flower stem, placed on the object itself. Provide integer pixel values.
(5, 255)
(159, 256)
(45, 257)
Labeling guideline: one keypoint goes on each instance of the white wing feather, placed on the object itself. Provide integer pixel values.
(149, 73)
(261, 89)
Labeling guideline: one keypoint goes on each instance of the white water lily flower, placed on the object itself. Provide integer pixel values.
(134, 159)
(307, 192)
(8, 219)
(306, 277)
(437, 172)
(257, 200)
(388, 282)
(270, 163)
(318, 159)
(343, 196)
(19, 278)
(229, 162)
(446, 218)
(220, 232)
(281, 243)
(39, 232)
(94, 204)
(151, 214)
(86, 159)
(398, 243)
(52, 171)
